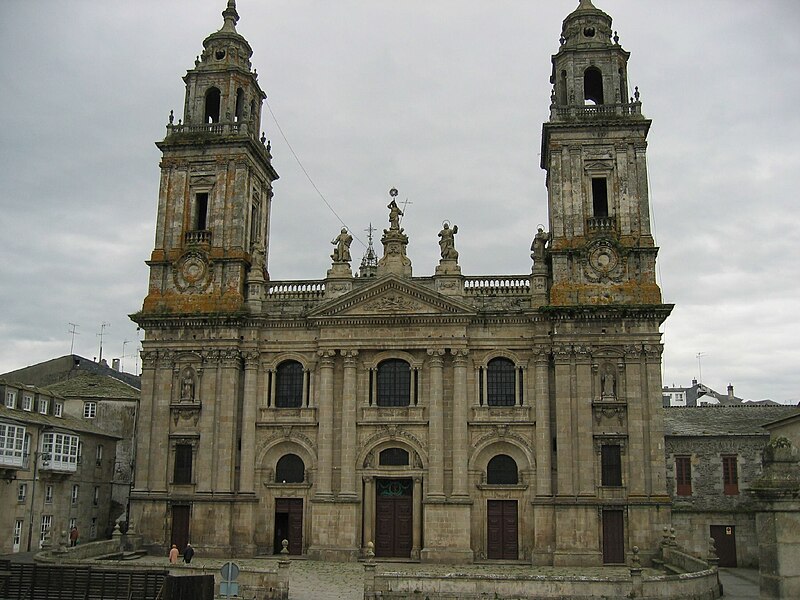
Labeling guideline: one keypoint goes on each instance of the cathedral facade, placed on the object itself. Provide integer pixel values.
(446, 418)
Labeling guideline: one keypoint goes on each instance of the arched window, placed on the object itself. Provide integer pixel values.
(239, 104)
(593, 86)
(289, 385)
(212, 105)
(253, 110)
(393, 457)
(562, 89)
(500, 381)
(290, 469)
(394, 383)
(502, 470)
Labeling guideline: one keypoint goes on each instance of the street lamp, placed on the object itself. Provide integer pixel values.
(45, 462)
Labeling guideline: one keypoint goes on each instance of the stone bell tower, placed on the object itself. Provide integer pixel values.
(593, 149)
(212, 231)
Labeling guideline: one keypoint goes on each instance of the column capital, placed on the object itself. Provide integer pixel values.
(349, 357)
(326, 358)
(562, 352)
(436, 357)
(251, 358)
(459, 356)
(149, 358)
(367, 478)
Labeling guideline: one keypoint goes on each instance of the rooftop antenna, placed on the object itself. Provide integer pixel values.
(699, 366)
(73, 327)
(100, 335)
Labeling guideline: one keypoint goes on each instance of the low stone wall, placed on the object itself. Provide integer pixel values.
(700, 585)
(254, 582)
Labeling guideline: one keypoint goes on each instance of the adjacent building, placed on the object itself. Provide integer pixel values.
(443, 416)
(57, 469)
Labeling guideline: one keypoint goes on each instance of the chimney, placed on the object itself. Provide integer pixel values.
(730, 392)
(694, 381)
(115, 364)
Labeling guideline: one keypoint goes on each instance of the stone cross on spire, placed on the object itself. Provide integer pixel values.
(231, 17)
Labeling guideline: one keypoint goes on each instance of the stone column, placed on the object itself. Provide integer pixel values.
(348, 449)
(145, 420)
(544, 485)
(584, 444)
(460, 428)
(636, 421)
(249, 415)
(160, 473)
(416, 536)
(653, 415)
(369, 511)
(225, 448)
(435, 426)
(565, 436)
(325, 431)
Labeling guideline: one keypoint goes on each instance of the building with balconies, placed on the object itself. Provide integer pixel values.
(58, 470)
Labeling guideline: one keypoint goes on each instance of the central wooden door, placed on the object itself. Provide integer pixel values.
(393, 518)
(180, 526)
(613, 537)
(725, 543)
(289, 524)
(501, 520)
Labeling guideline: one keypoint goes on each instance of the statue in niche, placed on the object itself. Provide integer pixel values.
(394, 215)
(447, 241)
(608, 383)
(187, 388)
(341, 253)
(538, 246)
(369, 460)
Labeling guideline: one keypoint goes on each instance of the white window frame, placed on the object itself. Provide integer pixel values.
(73, 522)
(43, 406)
(11, 399)
(27, 402)
(12, 444)
(22, 492)
(48, 494)
(58, 409)
(76, 489)
(47, 523)
(89, 410)
(62, 449)
(17, 535)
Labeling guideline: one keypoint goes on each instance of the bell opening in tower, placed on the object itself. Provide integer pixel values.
(599, 197)
(212, 105)
(593, 86)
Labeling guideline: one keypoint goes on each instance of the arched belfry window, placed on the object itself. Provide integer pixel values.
(289, 385)
(502, 470)
(239, 104)
(593, 86)
(500, 381)
(212, 105)
(394, 383)
(393, 457)
(290, 469)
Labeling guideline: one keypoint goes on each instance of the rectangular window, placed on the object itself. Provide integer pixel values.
(73, 522)
(96, 496)
(47, 522)
(27, 402)
(599, 197)
(12, 445)
(75, 492)
(89, 410)
(17, 534)
(48, 494)
(43, 406)
(22, 492)
(183, 464)
(730, 475)
(11, 399)
(611, 465)
(58, 409)
(60, 451)
(201, 208)
(683, 475)
(99, 457)
(93, 529)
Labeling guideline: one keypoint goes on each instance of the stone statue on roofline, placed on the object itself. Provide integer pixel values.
(341, 251)
(447, 242)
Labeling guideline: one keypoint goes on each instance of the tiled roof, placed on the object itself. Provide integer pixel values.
(89, 385)
(65, 422)
(723, 420)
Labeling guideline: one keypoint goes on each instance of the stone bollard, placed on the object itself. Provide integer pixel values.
(285, 549)
(369, 571)
(283, 576)
(636, 574)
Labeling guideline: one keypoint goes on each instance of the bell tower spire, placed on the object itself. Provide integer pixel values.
(594, 151)
(212, 231)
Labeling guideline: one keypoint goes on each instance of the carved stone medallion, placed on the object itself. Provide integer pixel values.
(192, 272)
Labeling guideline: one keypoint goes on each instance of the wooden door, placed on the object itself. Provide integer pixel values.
(501, 529)
(725, 542)
(289, 524)
(180, 526)
(613, 537)
(393, 518)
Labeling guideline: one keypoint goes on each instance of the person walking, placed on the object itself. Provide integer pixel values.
(73, 536)
(173, 555)
(188, 553)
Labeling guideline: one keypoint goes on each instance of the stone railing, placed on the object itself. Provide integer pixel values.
(260, 583)
(197, 236)
(601, 224)
(219, 128)
(598, 111)
(505, 285)
(296, 290)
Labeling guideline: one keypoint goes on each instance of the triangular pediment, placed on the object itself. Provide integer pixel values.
(392, 296)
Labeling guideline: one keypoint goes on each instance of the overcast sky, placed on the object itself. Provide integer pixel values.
(442, 99)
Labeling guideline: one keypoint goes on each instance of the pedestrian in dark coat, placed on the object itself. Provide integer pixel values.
(188, 553)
